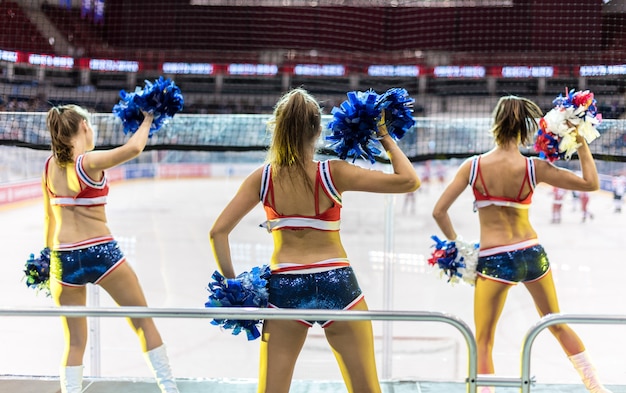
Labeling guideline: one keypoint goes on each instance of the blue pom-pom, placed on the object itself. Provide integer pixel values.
(249, 289)
(37, 272)
(355, 122)
(162, 98)
(398, 111)
(353, 126)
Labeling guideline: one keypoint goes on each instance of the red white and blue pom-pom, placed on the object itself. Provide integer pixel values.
(37, 272)
(162, 98)
(355, 122)
(574, 113)
(249, 289)
(547, 144)
(456, 259)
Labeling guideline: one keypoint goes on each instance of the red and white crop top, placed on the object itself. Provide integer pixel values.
(92, 193)
(482, 200)
(324, 221)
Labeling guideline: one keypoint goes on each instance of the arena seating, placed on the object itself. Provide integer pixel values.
(17, 32)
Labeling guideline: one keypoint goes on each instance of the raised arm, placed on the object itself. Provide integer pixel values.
(97, 161)
(350, 177)
(566, 179)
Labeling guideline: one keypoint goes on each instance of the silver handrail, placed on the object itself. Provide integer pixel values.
(556, 319)
(264, 313)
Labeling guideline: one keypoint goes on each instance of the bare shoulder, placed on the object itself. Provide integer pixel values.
(256, 175)
(543, 166)
(466, 165)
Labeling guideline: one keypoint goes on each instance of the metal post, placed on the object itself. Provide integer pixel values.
(94, 332)
(555, 319)
(257, 313)
(387, 361)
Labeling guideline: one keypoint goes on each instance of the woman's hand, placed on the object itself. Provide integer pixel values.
(382, 127)
(147, 116)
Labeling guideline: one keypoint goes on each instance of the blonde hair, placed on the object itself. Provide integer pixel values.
(63, 123)
(514, 118)
(295, 125)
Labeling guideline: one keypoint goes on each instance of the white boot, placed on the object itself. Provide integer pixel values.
(160, 365)
(71, 379)
(582, 364)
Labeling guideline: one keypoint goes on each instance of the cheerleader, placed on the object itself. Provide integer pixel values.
(83, 251)
(309, 265)
(503, 181)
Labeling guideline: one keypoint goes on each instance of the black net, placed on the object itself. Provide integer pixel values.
(233, 59)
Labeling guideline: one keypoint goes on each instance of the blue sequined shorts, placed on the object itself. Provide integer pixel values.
(86, 262)
(335, 289)
(521, 262)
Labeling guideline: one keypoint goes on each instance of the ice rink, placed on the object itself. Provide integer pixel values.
(162, 226)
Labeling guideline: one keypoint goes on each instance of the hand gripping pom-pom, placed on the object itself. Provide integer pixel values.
(456, 259)
(162, 98)
(249, 289)
(574, 113)
(398, 111)
(37, 272)
(355, 122)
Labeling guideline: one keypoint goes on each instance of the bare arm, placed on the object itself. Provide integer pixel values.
(350, 177)
(447, 198)
(97, 161)
(566, 179)
(246, 198)
(49, 223)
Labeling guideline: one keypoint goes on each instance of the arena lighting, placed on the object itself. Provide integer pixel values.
(459, 71)
(252, 69)
(356, 3)
(51, 61)
(393, 70)
(9, 56)
(527, 72)
(113, 65)
(188, 68)
(602, 70)
(319, 70)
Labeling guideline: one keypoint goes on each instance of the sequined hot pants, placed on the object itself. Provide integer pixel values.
(521, 262)
(333, 289)
(85, 262)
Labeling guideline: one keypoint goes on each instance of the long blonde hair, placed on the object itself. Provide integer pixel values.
(515, 117)
(63, 123)
(295, 126)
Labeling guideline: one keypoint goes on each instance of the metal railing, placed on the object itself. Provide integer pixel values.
(556, 319)
(264, 313)
(472, 381)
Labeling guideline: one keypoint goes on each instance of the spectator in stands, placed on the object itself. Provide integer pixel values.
(503, 181)
(310, 268)
(82, 248)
